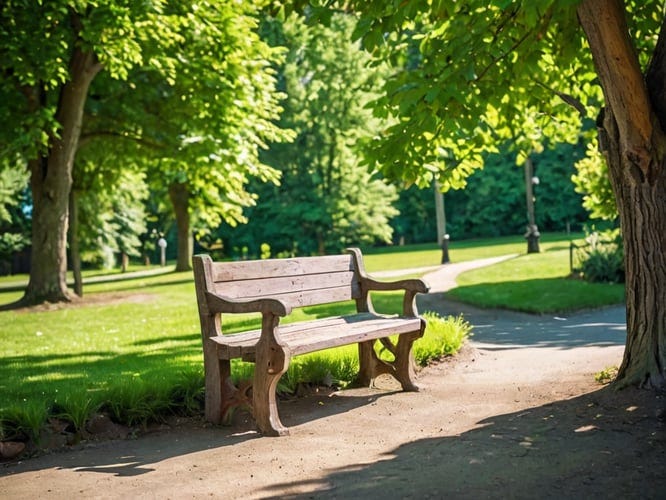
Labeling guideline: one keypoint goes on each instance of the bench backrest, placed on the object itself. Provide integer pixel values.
(298, 282)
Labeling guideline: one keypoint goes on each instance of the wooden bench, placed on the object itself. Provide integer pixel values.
(273, 287)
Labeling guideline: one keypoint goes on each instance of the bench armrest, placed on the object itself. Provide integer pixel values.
(415, 285)
(220, 304)
(410, 286)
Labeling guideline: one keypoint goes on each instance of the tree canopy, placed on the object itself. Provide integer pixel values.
(189, 83)
(526, 71)
(325, 200)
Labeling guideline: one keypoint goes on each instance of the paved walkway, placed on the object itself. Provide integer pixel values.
(507, 329)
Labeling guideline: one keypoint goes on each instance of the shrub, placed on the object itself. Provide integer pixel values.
(602, 260)
(443, 337)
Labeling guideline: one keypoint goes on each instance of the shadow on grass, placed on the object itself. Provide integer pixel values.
(128, 282)
(44, 377)
(600, 445)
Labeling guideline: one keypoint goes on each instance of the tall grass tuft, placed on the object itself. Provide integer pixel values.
(443, 337)
(76, 408)
(138, 402)
(187, 396)
(24, 422)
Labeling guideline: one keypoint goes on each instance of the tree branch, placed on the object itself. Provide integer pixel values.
(614, 55)
(499, 58)
(569, 99)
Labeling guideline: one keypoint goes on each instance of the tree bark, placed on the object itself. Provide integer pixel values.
(51, 181)
(74, 252)
(180, 196)
(632, 140)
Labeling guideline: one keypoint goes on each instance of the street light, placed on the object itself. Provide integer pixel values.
(532, 234)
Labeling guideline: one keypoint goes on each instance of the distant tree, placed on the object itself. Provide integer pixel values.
(111, 217)
(14, 223)
(493, 200)
(416, 220)
(326, 200)
(201, 64)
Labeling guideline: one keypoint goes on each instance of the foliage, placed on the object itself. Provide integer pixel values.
(183, 91)
(593, 182)
(602, 258)
(483, 73)
(111, 214)
(416, 221)
(607, 375)
(13, 181)
(493, 200)
(14, 223)
(536, 283)
(443, 337)
(325, 200)
(197, 129)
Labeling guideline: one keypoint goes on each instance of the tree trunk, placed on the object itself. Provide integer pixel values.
(124, 262)
(74, 252)
(180, 197)
(632, 140)
(51, 181)
(642, 208)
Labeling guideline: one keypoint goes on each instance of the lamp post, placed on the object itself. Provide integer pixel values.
(440, 215)
(532, 234)
(162, 244)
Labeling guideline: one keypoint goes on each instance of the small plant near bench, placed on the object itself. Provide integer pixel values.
(607, 375)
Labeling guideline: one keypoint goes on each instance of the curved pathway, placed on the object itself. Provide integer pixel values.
(504, 329)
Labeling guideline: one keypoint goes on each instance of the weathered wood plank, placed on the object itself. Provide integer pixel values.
(253, 269)
(271, 286)
(311, 336)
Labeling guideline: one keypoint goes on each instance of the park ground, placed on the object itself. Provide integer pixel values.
(517, 414)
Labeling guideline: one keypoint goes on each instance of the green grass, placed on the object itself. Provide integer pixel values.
(133, 349)
(426, 255)
(536, 283)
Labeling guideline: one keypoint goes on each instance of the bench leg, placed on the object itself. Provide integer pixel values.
(402, 368)
(404, 362)
(370, 366)
(271, 362)
(219, 388)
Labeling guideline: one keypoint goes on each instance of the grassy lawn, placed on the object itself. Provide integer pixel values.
(536, 283)
(132, 348)
(416, 256)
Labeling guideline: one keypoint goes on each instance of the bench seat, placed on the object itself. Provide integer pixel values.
(316, 335)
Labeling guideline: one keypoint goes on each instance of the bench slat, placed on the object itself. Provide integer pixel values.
(270, 287)
(310, 336)
(254, 269)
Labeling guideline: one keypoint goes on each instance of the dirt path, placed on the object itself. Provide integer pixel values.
(511, 417)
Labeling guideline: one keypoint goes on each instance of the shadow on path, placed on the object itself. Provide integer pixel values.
(598, 445)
